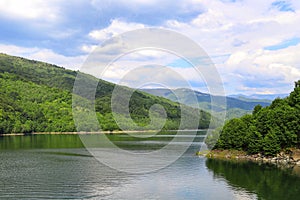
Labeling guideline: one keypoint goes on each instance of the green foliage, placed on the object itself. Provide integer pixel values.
(267, 130)
(33, 108)
(233, 134)
(37, 97)
(256, 109)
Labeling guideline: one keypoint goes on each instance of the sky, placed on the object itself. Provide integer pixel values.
(254, 44)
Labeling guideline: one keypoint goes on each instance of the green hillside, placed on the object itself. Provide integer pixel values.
(267, 130)
(37, 97)
(235, 107)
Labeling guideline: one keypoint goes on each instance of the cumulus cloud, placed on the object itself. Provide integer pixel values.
(242, 30)
(264, 69)
(113, 61)
(31, 9)
(137, 76)
(235, 34)
(116, 27)
(149, 12)
(238, 32)
(45, 55)
(251, 24)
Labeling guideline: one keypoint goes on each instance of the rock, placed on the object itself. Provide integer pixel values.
(284, 162)
(295, 155)
(281, 154)
(265, 159)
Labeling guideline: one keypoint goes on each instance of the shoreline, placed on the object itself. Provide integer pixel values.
(94, 132)
(78, 133)
(288, 159)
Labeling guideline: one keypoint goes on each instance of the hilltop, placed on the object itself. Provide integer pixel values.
(37, 97)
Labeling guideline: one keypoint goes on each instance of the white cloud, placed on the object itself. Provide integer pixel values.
(88, 48)
(243, 29)
(44, 55)
(252, 23)
(30, 9)
(139, 75)
(236, 58)
(240, 29)
(264, 70)
(104, 64)
(116, 27)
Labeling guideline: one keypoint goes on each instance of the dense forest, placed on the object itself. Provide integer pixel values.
(37, 97)
(267, 130)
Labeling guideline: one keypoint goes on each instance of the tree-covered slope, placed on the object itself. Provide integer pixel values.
(37, 97)
(267, 130)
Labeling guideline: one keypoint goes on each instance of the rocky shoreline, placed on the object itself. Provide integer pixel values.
(288, 158)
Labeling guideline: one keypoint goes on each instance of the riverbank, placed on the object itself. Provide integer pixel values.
(80, 133)
(98, 132)
(288, 158)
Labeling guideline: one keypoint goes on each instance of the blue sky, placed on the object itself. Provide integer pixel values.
(254, 44)
(284, 44)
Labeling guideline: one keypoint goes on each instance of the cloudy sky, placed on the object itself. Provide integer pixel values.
(254, 44)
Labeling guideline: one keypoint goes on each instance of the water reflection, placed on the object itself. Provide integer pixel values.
(266, 181)
(58, 167)
(46, 141)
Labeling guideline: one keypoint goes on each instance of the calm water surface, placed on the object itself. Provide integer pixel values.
(59, 167)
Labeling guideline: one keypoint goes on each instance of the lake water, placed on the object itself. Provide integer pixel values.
(59, 167)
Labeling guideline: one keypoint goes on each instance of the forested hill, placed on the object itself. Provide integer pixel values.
(37, 97)
(267, 130)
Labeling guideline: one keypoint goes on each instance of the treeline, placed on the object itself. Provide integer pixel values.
(37, 97)
(267, 130)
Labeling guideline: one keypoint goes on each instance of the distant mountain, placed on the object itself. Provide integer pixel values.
(235, 107)
(37, 97)
(268, 97)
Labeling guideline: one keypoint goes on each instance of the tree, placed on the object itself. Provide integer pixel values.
(268, 130)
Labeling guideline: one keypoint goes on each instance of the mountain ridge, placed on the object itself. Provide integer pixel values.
(37, 97)
(267, 97)
(233, 105)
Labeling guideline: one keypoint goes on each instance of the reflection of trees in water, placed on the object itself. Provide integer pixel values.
(268, 182)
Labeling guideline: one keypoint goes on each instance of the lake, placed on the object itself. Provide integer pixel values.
(59, 167)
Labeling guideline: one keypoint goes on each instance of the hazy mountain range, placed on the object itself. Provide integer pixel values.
(269, 97)
(235, 106)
